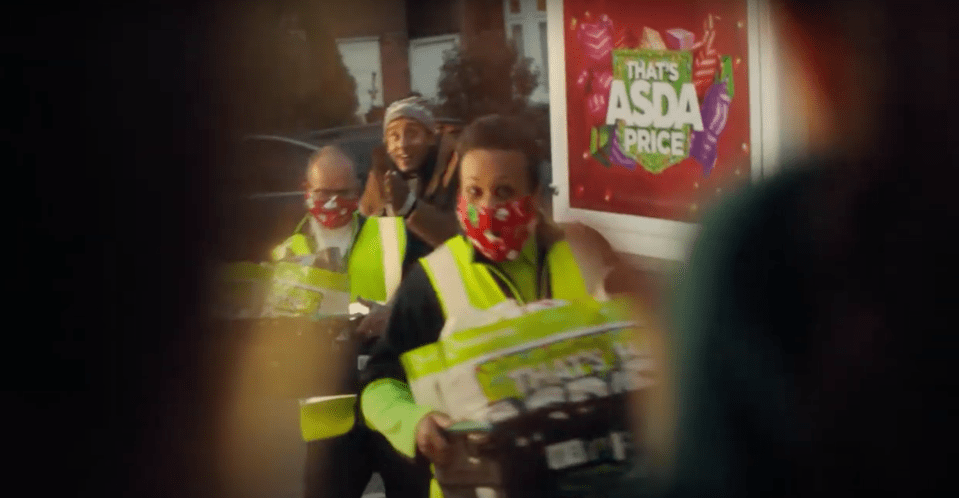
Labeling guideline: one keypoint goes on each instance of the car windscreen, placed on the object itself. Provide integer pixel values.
(270, 165)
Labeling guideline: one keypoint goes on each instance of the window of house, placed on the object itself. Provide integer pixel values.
(518, 40)
(361, 56)
(426, 56)
(526, 25)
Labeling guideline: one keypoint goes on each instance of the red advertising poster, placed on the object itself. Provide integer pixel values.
(657, 104)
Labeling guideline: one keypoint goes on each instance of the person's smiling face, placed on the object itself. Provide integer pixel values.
(407, 143)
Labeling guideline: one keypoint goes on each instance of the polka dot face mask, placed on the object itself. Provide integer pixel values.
(335, 212)
(499, 231)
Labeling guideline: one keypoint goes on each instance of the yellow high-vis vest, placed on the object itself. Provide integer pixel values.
(462, 284)
(374, 268)
(374, 265)
(472, 304)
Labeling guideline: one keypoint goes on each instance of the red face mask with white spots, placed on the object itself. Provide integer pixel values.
(498, 232)
(334, 213)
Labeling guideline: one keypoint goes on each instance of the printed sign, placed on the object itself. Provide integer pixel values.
(657, 105)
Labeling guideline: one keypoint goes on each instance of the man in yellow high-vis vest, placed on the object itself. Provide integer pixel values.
(371, 254)
(333, 235)
(507, 250)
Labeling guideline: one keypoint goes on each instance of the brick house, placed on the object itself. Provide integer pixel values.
(394, 47)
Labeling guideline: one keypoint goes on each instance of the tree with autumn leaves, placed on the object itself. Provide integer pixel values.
(485, 76)
(488, 76)
(282, 70)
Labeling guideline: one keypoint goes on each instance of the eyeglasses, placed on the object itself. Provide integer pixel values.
(324, 194)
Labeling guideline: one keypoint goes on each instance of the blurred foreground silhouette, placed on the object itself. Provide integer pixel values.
(808, 333)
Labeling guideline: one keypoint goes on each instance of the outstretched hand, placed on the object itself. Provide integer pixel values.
(374, 323)
(430, 438)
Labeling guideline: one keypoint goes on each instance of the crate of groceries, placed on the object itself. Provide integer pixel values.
(539, 396)
(290, 288)
(570, 450)
(305, 290)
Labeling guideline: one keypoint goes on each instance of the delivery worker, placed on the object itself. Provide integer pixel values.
(373, 252)
(507, 250)
(411, 174)
(333, 235)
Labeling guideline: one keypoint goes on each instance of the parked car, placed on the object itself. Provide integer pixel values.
(263, 199)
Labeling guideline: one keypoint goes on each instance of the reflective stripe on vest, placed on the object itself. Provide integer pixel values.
(393, 242)
(376, 259)
(462, 284)
(448, 280)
